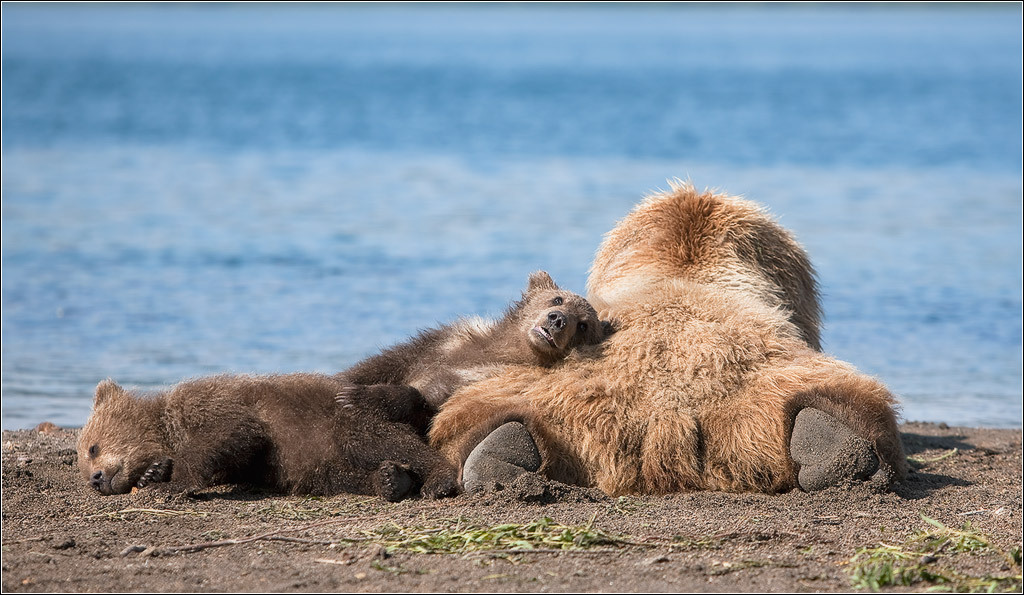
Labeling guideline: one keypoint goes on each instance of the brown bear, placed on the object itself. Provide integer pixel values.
(283, 432)
(540, 329)
(713, 379)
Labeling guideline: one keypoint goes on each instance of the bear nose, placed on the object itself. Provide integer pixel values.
(97, 479)
(557, 319)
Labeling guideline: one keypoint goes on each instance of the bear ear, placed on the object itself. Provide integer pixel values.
(104, 390)
(540, 280)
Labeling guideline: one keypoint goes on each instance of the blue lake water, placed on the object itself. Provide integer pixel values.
(191, 190)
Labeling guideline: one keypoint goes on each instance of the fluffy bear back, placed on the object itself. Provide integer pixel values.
(712, 239)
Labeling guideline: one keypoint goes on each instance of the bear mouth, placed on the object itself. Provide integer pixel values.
(544, 334)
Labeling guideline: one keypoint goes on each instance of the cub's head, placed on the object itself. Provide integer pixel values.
(123, 445)
(555, 321)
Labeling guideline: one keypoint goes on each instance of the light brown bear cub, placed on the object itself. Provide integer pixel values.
(283, 432)
(541, 329)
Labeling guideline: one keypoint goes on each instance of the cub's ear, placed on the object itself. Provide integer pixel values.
(104, 390)
(540, 280)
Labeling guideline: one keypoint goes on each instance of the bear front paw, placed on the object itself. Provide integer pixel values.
(349, 394)
(158, 472)
(441, 484)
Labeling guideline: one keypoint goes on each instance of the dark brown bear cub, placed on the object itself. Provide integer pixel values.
(283, 432)
(540, 329)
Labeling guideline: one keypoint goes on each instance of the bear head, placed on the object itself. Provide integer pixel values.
(123, 445)
(555, 321)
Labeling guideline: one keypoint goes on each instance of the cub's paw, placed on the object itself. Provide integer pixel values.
(349, 394)
(441, 484)
(394, 481)
(828, 451)
(503, 455)
(158, 472)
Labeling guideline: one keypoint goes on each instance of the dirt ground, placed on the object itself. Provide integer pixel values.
(954, 524)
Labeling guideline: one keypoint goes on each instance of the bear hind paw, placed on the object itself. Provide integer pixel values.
(506, 453)
(828, 451)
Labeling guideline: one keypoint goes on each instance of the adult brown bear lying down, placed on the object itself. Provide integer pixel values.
(712, 380)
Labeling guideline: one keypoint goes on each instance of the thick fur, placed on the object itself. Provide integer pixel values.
(540, 329)
(715, 351)
(282, 432)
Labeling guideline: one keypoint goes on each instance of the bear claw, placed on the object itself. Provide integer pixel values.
(506, 453)
(158, 472)
(348, 395)
(828, 452)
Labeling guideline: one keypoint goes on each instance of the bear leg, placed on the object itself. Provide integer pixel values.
(506, 453)
(828, 451)
(395, 402)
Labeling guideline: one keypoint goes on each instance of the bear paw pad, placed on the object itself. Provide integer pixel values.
(828, 451)
(393, 481)
(503, 455)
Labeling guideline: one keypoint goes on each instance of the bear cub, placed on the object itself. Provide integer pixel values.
(282, 432)
(540, 329)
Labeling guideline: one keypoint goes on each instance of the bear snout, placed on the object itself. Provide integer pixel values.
(100, 482)
(556, 319)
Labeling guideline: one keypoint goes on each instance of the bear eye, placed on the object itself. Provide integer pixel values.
(94, 450)
(557, 301)
(582, 327)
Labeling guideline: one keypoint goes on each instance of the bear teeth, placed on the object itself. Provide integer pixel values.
(543, 332)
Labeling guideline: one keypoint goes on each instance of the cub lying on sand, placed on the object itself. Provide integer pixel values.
(284, 432)
(540, 330)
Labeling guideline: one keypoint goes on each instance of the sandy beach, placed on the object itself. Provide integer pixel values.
(954, 524)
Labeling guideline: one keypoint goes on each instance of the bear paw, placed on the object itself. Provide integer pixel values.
(503, 455)
(158, 472)
(349, 394)
(393, 481)
(828, 451)
(441, 484)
